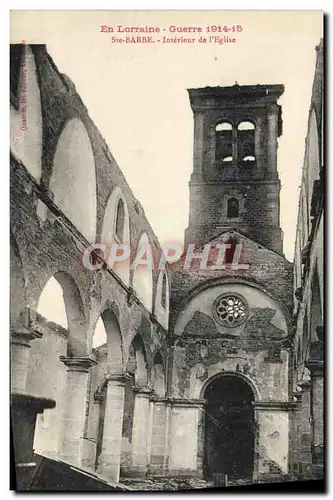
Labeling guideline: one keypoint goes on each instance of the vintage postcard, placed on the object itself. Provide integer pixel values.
(166, 246)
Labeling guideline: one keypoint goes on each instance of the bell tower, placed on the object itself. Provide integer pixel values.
(235, 181)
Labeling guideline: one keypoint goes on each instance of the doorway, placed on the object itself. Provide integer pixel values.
(229, 428)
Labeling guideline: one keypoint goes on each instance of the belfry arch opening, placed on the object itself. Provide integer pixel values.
(229, 428)
(224, 141)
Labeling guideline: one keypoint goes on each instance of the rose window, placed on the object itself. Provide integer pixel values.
(230, 310)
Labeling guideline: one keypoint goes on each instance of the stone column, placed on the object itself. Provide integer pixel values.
(185, 450)
(91, 441)
(109, 459)
(140, 432)
(158, 450)
(75, 407)
(316, 368)
(19, 350)
(300, 433)
(304, 429)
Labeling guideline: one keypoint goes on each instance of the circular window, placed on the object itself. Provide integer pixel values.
(230, 309)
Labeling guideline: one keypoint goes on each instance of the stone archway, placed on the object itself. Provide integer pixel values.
(229, 428)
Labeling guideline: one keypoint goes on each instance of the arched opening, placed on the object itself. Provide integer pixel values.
(116, 231)
(233, 208)
(137, 369)
(107, 350)
(60, 303)
(114, 342)
(246, 141)
(60, 315)
(161, 309)
(143, 272)
(229, 428)
(73, 181)
(223, 141)
(100, 337)
(120, 220)
(51, 304)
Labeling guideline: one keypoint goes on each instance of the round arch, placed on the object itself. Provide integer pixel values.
(142, 266)
(223, 126)
(73, 180)
(246, 124)
(114, 341)
(72, 307)
(110, 237)
(241, 376)
(237, 280)
(141, 371)
(162, 296)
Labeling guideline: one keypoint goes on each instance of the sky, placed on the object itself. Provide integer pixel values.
(136, 93)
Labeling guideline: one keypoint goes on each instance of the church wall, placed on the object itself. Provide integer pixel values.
(47, 242)
(308, 342)
(206, 348)
(265, 268)
(208, 210)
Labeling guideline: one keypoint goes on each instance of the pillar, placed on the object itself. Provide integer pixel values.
(272, 139)
(140, 432)
(198, 147)
(91, 441)
(20, 345)
(304, 429)
(272, 440)
(109, 459)
(158, 449)
(185, 446)
(316, 368)
(258, 144)
(75, 408)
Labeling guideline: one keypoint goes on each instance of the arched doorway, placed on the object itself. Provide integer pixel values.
(229, 428)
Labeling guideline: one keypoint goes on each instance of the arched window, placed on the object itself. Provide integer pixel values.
(120, 220)
(223, 137)
(245, 140)
(116, 230)
(99, 337)
(245, 126)
(164, 291)
(142, 266)
(220, 127)
(73, 174)
(233, 208)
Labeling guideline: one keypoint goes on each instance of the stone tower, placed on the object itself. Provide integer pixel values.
(235, 181)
